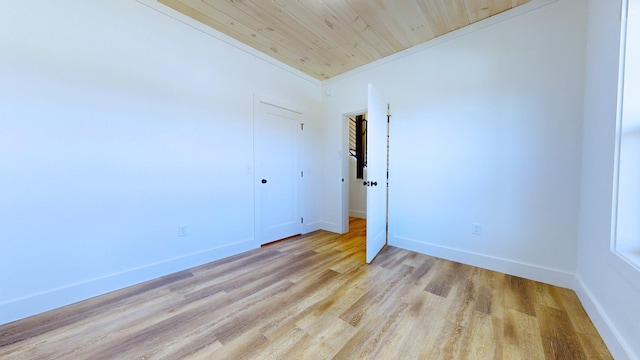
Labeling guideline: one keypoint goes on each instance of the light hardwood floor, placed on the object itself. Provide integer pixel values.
(313, 297)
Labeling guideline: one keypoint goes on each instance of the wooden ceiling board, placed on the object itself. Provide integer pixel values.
(366, 13)
(330, 55)
(478, 9)
(304, 43)
(481, 9)
(321, 28)
(456, 14)
(436, 14)
(359, 27)
(498, 6)
(351, 38)
(325, 38)
(392, 19)
(415, 20)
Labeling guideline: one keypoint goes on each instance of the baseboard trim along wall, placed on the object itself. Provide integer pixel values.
(20, 308)
(329, 226)
(307, 228)
(611, 336)
(358, 214)
(527, 271)
(617, 346)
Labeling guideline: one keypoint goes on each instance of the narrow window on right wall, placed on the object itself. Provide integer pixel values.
(627, 234)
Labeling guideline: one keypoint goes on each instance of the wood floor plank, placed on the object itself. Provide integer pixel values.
(280, 347)
(324, 343)
(594, 347)
(448, 275)
(202, 344)
(377, 293)
(460, 308)
(491, 293)
(313, 297)
(577, 314)
(368, 340)
(37, 325)
(520, 295)
(482, 344)
(547, 295)
(417, 334)
(559, 339)
(522, 337)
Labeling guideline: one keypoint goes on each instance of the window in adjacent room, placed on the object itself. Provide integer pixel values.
(358, 142)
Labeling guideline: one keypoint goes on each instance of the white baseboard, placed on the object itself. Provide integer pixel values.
(527, 271)
(358, 214)
(329, 226)
(612, 338)
(311, 227)
(17, 309)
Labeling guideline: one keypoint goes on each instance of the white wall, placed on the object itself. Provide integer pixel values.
(608, 288)
(485, 128)
(117, 124)
(357, 192)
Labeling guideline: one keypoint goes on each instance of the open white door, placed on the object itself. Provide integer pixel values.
(376, 174)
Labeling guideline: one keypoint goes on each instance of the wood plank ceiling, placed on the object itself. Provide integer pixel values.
(325, 38)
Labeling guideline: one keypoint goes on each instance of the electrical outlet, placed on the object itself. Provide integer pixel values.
(182, 230)
(476, 229)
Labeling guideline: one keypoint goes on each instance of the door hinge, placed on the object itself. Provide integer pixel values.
(302, 220)
(301, 126)
(301, 173)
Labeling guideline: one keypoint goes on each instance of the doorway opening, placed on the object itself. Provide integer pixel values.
(354, 194)
(376, 184)
(357, 165)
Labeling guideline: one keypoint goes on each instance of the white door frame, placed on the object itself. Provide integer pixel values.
(345, 168)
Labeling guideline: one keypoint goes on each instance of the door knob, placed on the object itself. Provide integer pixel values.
(374, 183)
(264, 181)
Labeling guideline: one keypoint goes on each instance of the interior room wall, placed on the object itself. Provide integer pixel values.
(357, 192)
(118, 124)
(486, 128)
(608, 288)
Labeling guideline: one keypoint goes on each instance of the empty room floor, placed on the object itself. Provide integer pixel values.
(313, 297)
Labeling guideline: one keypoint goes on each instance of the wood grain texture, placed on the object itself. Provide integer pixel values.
(313, 297)
(329, 37)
